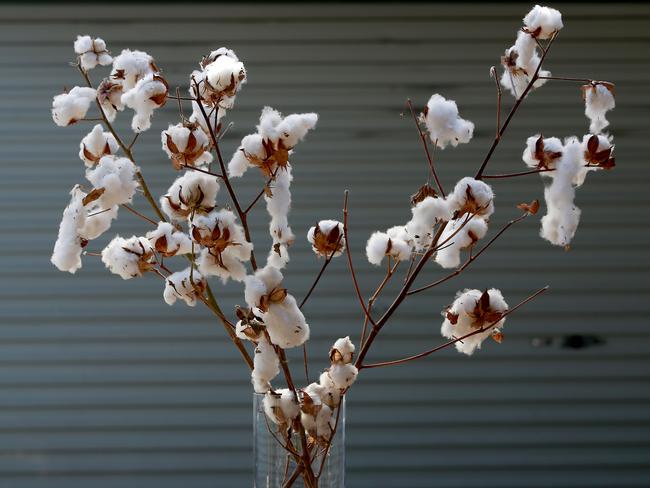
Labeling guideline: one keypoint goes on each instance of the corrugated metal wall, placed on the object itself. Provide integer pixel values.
(103, 385)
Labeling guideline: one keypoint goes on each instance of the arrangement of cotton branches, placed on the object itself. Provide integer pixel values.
(208, 233)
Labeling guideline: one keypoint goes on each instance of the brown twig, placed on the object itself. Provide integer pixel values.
(470, 260)
(423, 138)
(135, 212)
(371, 301)
(521, 173)
(350, 264)
(454, 341)
(493, 73)
(201, 170)
(262, 191)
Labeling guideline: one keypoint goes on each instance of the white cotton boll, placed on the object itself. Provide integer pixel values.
(343, 375)
(526, 49)
(266, 366)
(254, 289)
(342, 350)
(552, 150)
(325, 422)
(594, 157)
(98, 220)
(128, 258)
(96, 144)
(91, 52)
(286, 324)
(461, 319)
(268, 125)
(184, 285)
(281, 406)
(222, 51)
(380, 245)
(193, 192)
(147, 95)
(472, 196)
(315, 392)
(327, 238)
(443, 123)
(66, 255)
(463, 237)
(223, 76)
(599, 99)
(214, 116)
(426, 215)
(226, 267)
(252, 146)
(117, 177)
(327, 390)
(68, 108)
(278, 256)
(132, 66)
(186, 146)
(220, 229)
(560, 223)
(169, 241)
(543, 22)
(279, 204)
(294, 127)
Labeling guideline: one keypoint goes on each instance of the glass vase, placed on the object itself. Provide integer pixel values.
(276, 467)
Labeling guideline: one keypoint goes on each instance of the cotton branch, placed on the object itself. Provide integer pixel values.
(425, 146)
(454, 341)
(513, 111)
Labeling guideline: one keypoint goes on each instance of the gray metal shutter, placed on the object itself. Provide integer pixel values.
(103, 384)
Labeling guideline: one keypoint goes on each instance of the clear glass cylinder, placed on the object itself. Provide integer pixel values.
(275, 467)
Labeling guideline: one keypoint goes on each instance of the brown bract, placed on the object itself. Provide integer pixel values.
(253, 325)
(276, 295)
(162, 247)
(276, 156)
(160, 98)
(198, 286)
(94, 158)
(423, 192)
(107, 90)
(190, 205)
(592, 87)
(531, 207)
(217, 240)
(509, 61)
(327, 243)
(471, 206)
(483, 313)
(189, 155)
(544, 158)
(146, 259)
(93, 195)
(602, 159)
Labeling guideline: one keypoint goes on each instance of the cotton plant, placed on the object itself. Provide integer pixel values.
(200, 236)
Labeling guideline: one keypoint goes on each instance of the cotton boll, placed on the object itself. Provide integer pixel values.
(132, 66)
(147, 95)
(285, 323)
(262, 283)
(214, 117)
(472, 196)
(279, 203)
(561, 220)
(598, 153)
(91, 52)
(380, 245)
(254, 290)
(266, 366)
(459, 234)
(251, 148)
(186, 146)
(327, 238)
(186, 285)
(109, 96)
(281, 406)
(117, 177)
(294, 127)
(542, 152)
(192, 193)
(343, 375)
(426, 215)
(68, 246)
(342, 351)
(128, 258)
(325, 422)
(471, 311)
(219, 231)
(68, 108)
(96, 144)
(168, 241)
(443, 123)
(226, 266)
(521, 62)
(599, 99)
(223, 77)
(270, 119)
(543, 22)
(98, 220)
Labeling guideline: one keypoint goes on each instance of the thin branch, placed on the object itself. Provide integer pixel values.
(471, 259)
(513, 111)
(350, 264)
(426, 147)
(371, 301)
(201, 170)
(566, 78)
(521, 173)
(262, 191)
(458, 339)
(135, 212)
(493, 73)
